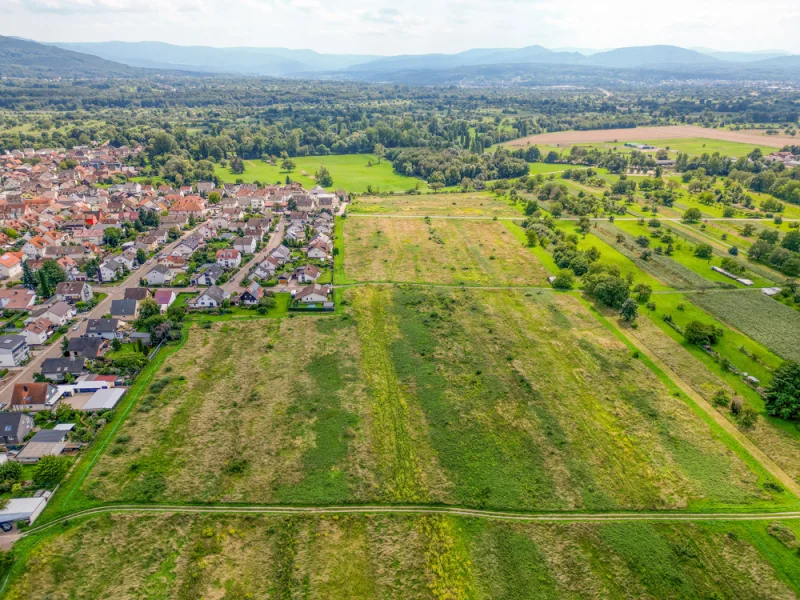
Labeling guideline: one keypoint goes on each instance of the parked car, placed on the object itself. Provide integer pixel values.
(6, 526)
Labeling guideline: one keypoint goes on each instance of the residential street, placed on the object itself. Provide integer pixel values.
(235, 284)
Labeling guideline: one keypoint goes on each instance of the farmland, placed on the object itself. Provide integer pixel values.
(349, 171)
(475, 204)
(443, 251)
(771, 323)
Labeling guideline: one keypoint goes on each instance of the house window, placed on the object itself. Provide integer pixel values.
(9, 428)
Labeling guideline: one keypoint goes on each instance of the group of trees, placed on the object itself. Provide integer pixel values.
(45, 280)
(454, 166)
(781, 253)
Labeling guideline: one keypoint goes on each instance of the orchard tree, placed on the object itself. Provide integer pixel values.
(629, 310)
(783, 394)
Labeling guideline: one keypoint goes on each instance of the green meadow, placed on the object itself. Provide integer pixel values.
(349, 171)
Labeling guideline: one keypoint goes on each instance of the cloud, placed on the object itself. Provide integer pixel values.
(68, 7)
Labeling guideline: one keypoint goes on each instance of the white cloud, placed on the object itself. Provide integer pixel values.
(413, 26)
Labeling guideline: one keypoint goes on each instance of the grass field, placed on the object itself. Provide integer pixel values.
(443, 251)
(475, 204)
(432, 558)
(700, 146)
(349, 172)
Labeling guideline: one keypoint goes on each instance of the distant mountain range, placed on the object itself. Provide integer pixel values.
(128, 59)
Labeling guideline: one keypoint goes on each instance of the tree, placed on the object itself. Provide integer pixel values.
(693, 215)
(565, 280)
(288, 165)
(148, 308)
(214, 198)
(28, 278)
(379, 151)
(629, 310)
(642, 292)
(10, 471)
(323, 177)
(54, 272)
(176, 313)
(44, 286)
(702, 334)
(141, 256)
(532, 238)
(64, 346)
(783, 394)
(112, 237)
(704, 251)
(791, 241)
(237, 165)
(50, 470)
(116, 344)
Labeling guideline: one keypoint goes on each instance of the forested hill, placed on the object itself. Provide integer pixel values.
(21, 58)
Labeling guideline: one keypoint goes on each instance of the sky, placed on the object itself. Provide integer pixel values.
(412, 26)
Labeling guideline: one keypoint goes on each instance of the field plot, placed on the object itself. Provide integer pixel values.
(669, 132)
(182, 557)
(252, 411)
(704, 145)
(764, 319)
(530, 402)
(475, 204)
(349, 172)
(443, 251)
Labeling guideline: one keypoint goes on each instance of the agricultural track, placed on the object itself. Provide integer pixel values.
(564, 517)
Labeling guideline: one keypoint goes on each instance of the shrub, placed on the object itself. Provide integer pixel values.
(721, 398)
(702, 334)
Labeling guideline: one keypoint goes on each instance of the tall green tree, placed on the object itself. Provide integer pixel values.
(28, 278)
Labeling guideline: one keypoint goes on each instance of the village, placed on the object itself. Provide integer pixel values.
(98, 270)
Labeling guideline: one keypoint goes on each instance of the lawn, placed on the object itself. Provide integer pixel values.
(442, 251)
(349, 171)
(415, 557)
(473, 204)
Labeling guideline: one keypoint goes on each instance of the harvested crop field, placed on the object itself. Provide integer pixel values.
(441, 251)
(475, 204)
(764, 319)
(653, 133)
(128, 557)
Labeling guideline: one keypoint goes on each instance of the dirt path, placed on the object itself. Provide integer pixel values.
(653, 133)
(769, 465)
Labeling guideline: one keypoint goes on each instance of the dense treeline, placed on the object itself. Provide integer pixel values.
(455, 166)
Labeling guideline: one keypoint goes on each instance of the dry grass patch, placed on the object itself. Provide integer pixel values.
(439, 251)
(474, 204)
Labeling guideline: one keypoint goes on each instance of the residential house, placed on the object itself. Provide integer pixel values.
(281, 254)
(38, 332)
(314, 293)
(125, 310)
(59, 313)
(56, 369)
(108, 329)
(14, 427)
(251, 295)
(319, 249)
(128, 259)
(13, 350)
(17, 299)
(136, 293)
(10, 266)
(110, 269)
(230, 259)
(164, 299)
(245, 245)
(159, 275)
(34, 247)
(187, 206)
(87, 347)
(210, 298)
(307, 274)
(206, 232)
(187, 246)
(74, 291)
(267, 269)
(148, 243)
(33, 397)
(208, 275)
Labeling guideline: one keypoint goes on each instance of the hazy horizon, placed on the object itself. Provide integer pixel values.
(417, 27)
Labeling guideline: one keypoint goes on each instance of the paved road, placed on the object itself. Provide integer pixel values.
(235, 283)
(115, 292)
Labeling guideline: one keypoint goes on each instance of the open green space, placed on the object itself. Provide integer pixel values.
(350, 172)
(420, 557)
(471, 204)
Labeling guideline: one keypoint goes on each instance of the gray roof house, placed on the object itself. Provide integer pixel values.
(57, 368)
(103, 328)
(13, 350)
(14, 427)
(127, 310)
(87, 347)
